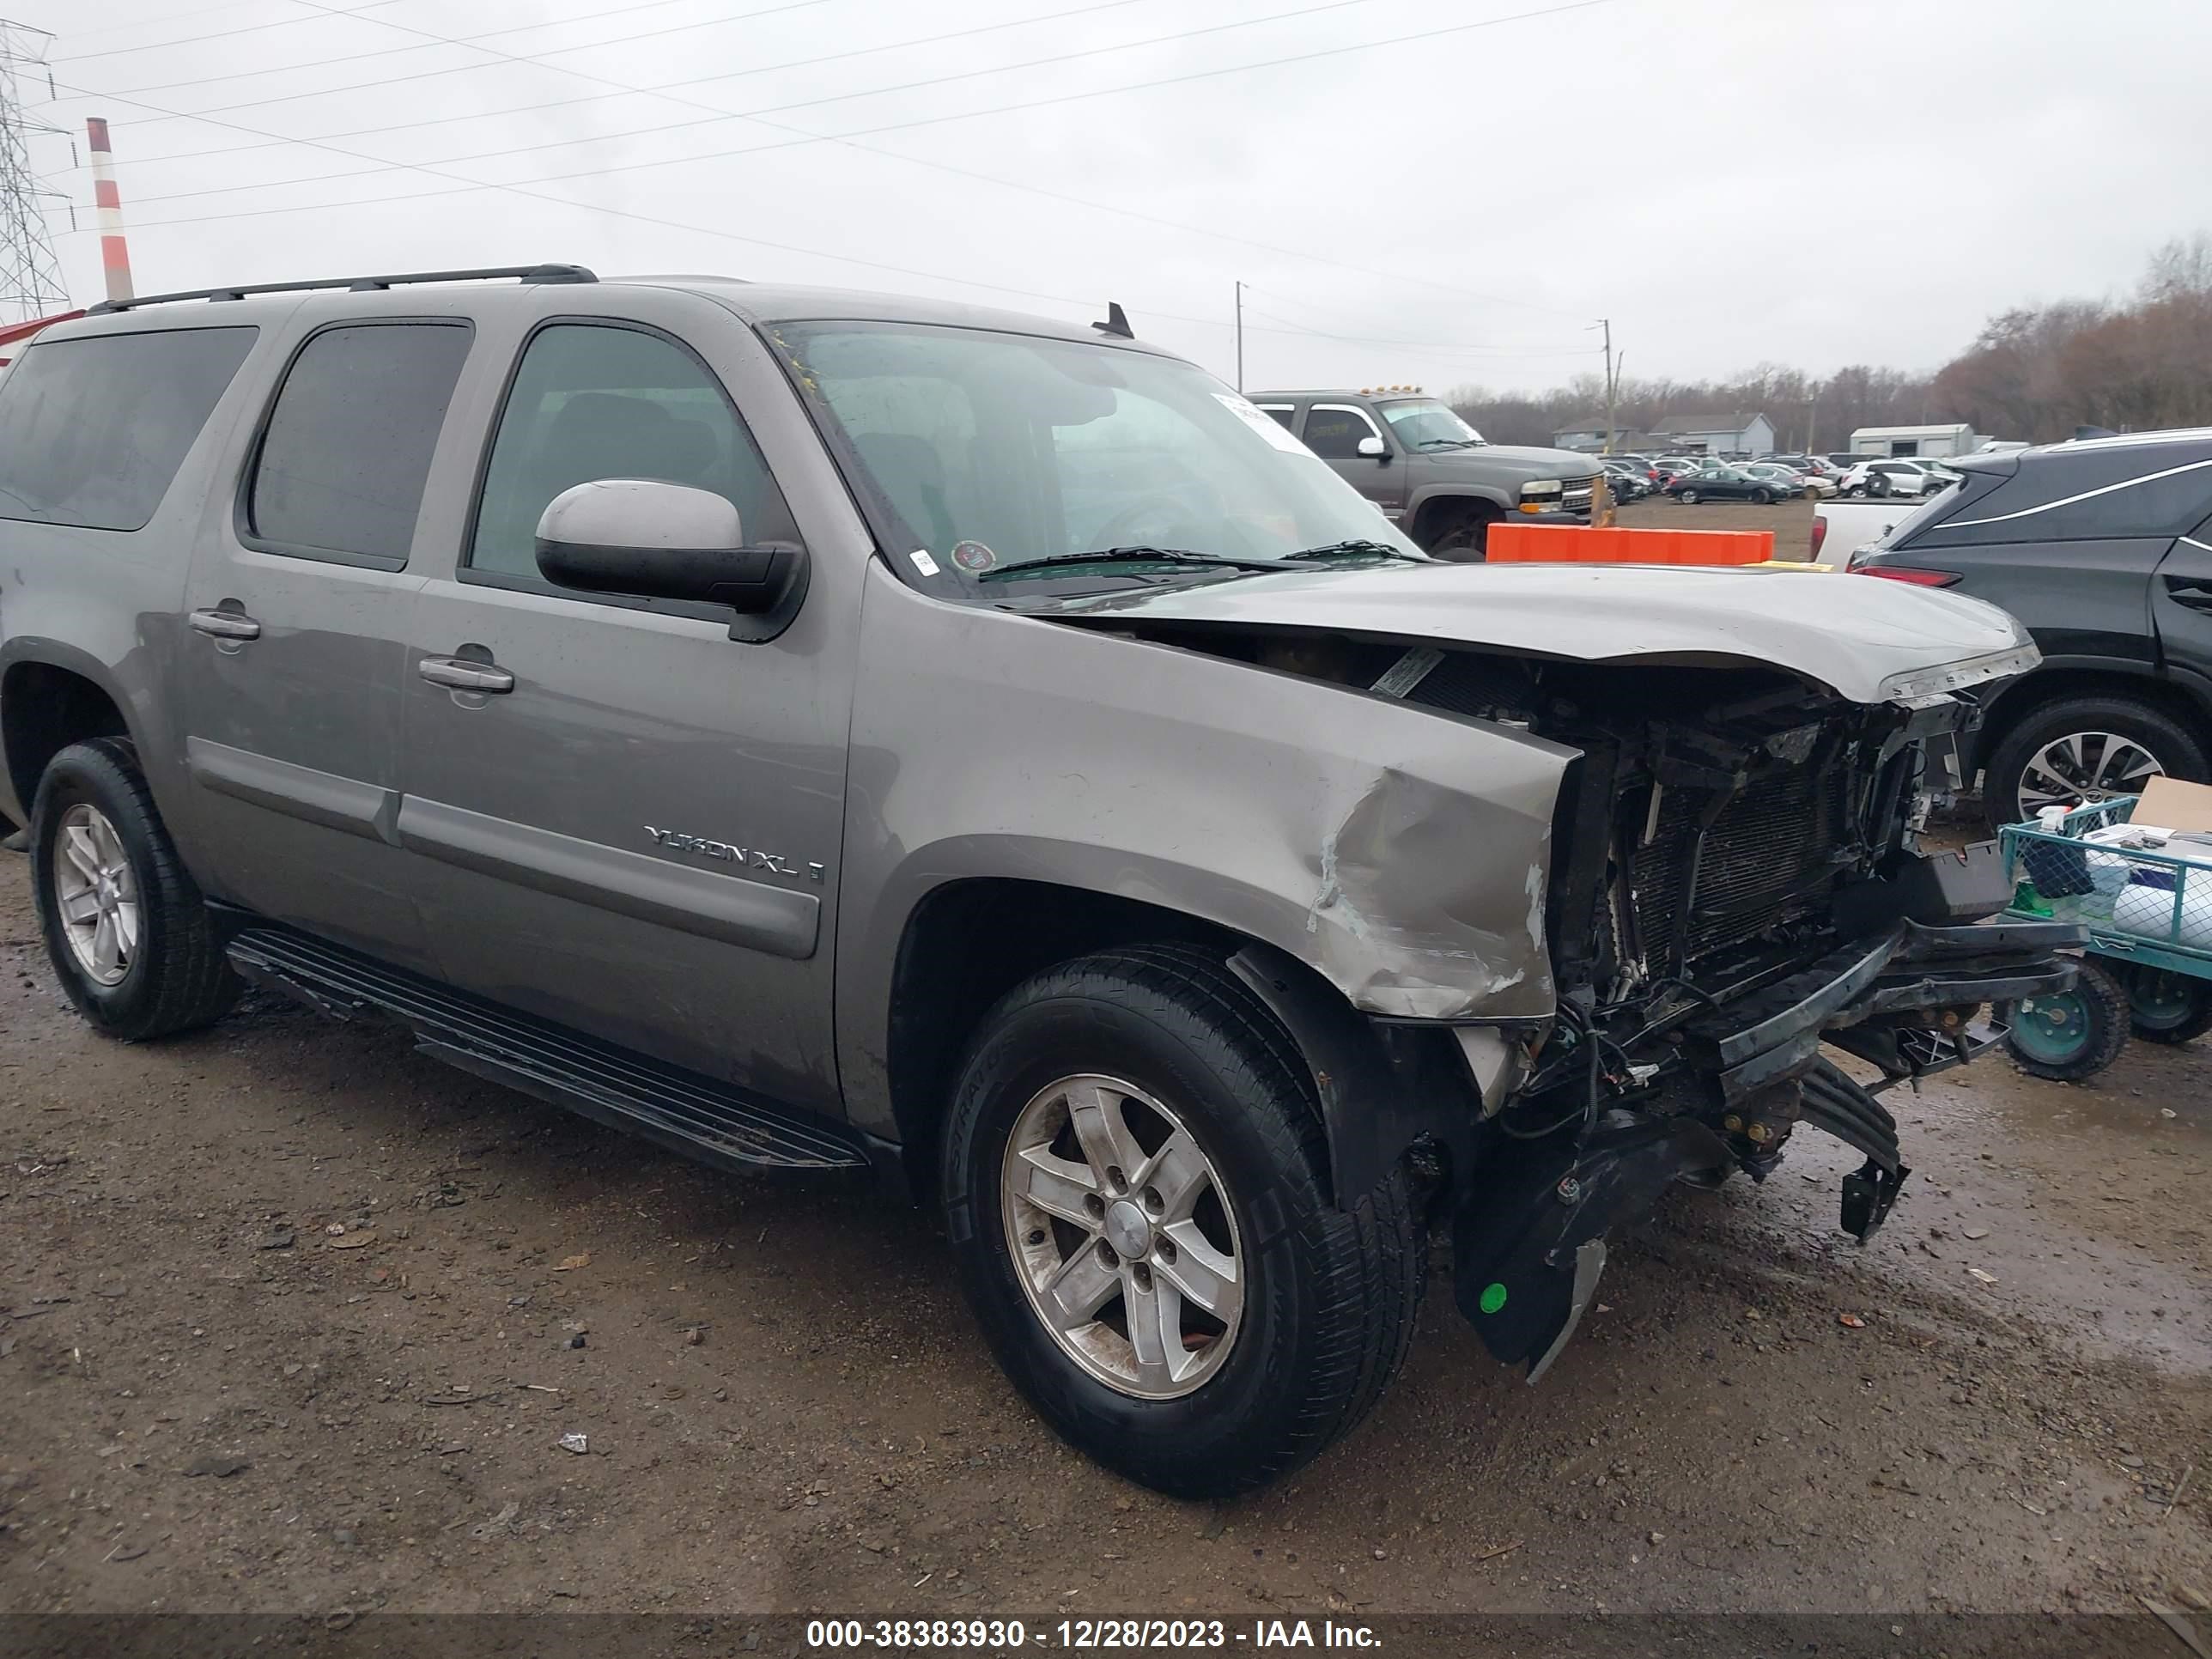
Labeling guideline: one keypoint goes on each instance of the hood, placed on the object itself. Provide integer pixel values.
(1519, 462)
(1867, 641)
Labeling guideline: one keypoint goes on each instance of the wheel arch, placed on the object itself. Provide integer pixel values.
(970, 941)
(1431, 509)
(49, 701)
(2062, 679)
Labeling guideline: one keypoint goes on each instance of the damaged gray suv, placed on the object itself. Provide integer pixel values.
(816, 729)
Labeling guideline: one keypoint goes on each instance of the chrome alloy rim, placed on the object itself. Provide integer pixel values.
(1120, 1231)
(2087, 767)
(96, 895)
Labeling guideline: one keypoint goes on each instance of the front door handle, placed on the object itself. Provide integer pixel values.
(225, 625)
(2193, 592)
(460, 674)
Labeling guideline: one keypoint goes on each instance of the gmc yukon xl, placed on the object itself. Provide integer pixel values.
(822, 730)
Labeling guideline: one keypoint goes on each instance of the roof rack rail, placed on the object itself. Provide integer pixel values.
(357, 284)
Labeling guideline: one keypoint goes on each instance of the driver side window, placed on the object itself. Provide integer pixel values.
(600, 400)
(1334, 432)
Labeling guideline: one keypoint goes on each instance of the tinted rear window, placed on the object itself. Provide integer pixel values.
(92, 431)
(349, 440)
(2158, 490)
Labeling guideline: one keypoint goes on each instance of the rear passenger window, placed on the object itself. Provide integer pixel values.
(341, 465)
(595, 400)
(2155, 491)
(92, 431)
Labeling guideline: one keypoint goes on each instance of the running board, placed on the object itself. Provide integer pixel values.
(696, 1116)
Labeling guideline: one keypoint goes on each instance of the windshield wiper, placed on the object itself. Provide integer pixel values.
(1130, 556)
(1451, 443)
(1352, 549)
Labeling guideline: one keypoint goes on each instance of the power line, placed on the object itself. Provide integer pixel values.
(463, 185)
(1434, 348)
(174, 16)
(863, 132)
(30, 275)
(659, 91)
(466, 41)
(286, 22)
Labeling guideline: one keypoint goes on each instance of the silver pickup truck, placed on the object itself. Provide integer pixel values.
(1434, 476)
(820, 730)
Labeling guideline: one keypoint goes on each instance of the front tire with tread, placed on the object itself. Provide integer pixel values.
(178, 978)
(1330, 1291)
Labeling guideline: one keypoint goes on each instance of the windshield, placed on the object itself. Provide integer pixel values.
(991, 450)
(1424, 421)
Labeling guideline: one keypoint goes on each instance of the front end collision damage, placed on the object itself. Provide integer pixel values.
(1564, 931)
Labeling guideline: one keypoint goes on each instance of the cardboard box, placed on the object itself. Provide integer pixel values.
(2170, 804)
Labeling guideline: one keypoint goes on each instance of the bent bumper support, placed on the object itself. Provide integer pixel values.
(1528, 1237)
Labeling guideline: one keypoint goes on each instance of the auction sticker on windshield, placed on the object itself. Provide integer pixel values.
(1261, 422)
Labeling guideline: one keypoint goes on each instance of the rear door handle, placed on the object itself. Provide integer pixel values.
(459, 674)
(225, 625)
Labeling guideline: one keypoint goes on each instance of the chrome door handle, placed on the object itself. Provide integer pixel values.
(460, 674)
(225, 625)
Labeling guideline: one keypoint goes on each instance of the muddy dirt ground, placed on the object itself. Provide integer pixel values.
(210, 1399)
(1791, 522)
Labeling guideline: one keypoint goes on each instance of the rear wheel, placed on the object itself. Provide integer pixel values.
(1135, 1183)
(1462, 534)
(2168, 1007)
(2085, 748)
(2067, 1036)
(1687, 497)
(125, 928)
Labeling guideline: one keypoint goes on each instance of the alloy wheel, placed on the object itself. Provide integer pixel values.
(2087, 767)
(1121, 1232)
(96, 895)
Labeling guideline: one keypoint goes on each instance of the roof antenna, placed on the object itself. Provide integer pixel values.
(1117, 322)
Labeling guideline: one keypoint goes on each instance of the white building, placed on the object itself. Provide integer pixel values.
(1749, 434)
(1955, 438)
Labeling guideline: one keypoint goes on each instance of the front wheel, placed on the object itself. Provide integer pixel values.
(2069, 1036)
(2164, 1006)
(1136, 1185)
(1464, 537)
(1762, 497)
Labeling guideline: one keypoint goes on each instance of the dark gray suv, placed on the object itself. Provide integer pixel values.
(822, 730)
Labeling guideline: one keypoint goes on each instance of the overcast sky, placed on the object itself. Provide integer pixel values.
(1728, 181)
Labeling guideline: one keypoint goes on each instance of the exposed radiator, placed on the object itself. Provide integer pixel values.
(1769, 858)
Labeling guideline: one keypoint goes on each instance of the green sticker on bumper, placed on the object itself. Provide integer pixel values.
(1493, 1297)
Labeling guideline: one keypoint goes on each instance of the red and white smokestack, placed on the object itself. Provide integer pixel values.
(114, 252)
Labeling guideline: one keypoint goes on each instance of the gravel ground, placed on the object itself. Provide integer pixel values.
(1791, 522)
(212, 1399)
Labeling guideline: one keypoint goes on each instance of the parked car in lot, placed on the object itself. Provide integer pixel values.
(1792, 480)
(1431, 473)
(1715, 482)
(828, 731)
(1897, 477)
(1627, 482)
(2103, 548)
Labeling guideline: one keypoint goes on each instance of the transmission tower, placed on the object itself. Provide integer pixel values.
(30, 275)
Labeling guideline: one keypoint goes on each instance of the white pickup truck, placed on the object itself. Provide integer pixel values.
(1840, 528)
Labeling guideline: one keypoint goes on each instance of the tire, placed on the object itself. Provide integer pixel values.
(169, 971)
(2010, 795)
(1762, 497)
(2073, 1035)
(2165, 1007)
(1464, 536)
(1327, 1295)
(1687, 497)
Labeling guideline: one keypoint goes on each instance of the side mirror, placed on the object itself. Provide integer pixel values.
(1374, 449)
(648, 539)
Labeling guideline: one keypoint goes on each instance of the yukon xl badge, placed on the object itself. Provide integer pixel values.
(750, 857)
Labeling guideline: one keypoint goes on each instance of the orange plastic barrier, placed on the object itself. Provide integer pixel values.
(1534, 543)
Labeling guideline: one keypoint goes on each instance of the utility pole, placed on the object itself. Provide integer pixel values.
(1240, 337)
(114, 252)
(1611, 428)
(1812, 423)
(30, 275)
